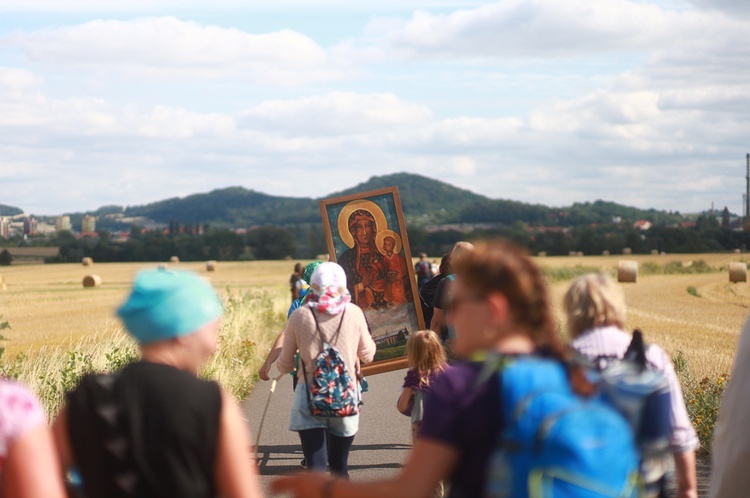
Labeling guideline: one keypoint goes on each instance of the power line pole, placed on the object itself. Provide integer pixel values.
(747, 191)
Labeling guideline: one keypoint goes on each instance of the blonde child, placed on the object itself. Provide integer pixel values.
(426, 358)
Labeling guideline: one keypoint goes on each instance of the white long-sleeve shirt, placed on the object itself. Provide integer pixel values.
(612, 341)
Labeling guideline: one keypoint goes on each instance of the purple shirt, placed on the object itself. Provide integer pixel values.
(460, 414)
(414, 381)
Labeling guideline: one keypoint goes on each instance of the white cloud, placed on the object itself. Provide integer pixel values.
(241, 5)
(168, 48)
(337, 113)
(16, 82)
(535, 28)
(668, 133)
(465, 166)
(740, 7)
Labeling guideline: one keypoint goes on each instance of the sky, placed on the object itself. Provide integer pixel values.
(644, 103)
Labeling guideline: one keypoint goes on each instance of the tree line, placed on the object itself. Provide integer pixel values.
(308, 241)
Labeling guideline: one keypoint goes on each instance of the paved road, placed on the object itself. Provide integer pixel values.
(379, 449)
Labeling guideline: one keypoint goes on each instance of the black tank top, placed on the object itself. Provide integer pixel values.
(149, 431)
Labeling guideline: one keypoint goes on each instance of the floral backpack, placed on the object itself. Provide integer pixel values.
(332, 392)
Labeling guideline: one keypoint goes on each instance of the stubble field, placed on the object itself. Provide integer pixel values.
(46, 305)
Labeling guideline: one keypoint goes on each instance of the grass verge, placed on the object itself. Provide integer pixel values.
(250, 324)
(702, 399)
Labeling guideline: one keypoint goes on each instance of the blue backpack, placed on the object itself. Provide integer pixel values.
(332, 392)
(556, 443)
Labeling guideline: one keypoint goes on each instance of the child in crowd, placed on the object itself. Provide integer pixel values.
(426, 358)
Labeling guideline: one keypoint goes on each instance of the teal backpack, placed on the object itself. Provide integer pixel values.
(555, 443)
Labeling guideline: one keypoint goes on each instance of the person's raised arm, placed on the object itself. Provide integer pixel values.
(405, 401)
(272, 356)
(439, 304)
(289, 346)
(235, 470)
(366, 348)
(32, 468)
(61, 439)
(438, 321)
(429, 463)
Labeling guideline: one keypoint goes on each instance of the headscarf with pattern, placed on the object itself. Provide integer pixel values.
(329, 293)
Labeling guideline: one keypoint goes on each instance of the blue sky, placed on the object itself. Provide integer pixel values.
(637, 102)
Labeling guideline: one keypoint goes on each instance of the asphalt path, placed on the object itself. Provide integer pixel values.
(380, 447)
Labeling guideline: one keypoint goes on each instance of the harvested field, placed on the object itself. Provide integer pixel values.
(46, 304)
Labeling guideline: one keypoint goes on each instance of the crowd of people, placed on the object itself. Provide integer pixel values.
(155, 429)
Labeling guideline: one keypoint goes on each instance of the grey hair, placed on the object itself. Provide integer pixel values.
(594, 300)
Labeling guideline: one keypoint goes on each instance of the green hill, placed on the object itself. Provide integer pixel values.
(233, 206)
(426, 201)
(423, 199)
(586, 213)
(9, 210)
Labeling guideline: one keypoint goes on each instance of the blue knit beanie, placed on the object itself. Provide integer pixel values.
(166, 304)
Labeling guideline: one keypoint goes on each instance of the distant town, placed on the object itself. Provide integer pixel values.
(26, 225)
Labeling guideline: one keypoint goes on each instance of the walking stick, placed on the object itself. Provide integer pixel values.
(265, 410)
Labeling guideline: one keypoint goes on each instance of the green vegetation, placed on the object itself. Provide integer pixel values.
(561, 274)
(677, 268)
(437, 215)
(693, 291)
(390, 352)
(5, 258)
(703, 400)
(249, 326)
(425, 200)
(9, 210)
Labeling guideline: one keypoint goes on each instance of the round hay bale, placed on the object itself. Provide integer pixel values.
(605, 253)
(654, 252)
(542, 254)
(737, 251)
(627, 271)
(174, 259)
(737, 272)
(92, 281)
(323, 257)
(87, 261)
(627, 250)
(579, 253)
(573, 253)
(162, 266)
(211, 265)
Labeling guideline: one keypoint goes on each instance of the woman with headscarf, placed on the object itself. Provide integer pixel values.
(328, 317)
(154, 429)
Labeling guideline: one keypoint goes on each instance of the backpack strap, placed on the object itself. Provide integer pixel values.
(335, 336)
(636, 351)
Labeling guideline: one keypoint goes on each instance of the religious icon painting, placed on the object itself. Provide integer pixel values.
(366, 235)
